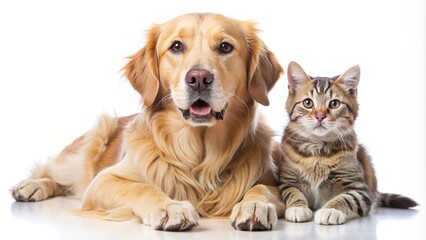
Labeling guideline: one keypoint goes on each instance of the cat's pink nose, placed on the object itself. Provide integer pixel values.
(320, 117)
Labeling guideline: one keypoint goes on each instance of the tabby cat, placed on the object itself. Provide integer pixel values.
(323, 167)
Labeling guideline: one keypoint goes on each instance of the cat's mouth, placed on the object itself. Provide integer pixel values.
(320, 128)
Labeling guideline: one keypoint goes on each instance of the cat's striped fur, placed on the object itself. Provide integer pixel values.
(323, 167)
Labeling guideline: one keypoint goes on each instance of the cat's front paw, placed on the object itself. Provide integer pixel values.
(298, 214)
(254, 216)
(329, 216)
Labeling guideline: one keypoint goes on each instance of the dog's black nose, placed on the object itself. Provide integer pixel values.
(199, 80)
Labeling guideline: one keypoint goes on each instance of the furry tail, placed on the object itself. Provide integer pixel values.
(396, 201)
(116, 215)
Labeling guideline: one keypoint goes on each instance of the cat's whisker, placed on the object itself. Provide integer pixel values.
(342, 138)
(349, 138)
(293, 132)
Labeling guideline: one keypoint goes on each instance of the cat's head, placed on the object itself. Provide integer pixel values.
(322, 107)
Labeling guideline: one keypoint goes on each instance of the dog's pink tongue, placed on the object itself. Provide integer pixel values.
(200, 109)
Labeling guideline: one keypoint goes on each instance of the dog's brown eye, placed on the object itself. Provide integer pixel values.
(177, 47)
(225, 47)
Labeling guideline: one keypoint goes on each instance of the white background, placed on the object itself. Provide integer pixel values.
(60, 65)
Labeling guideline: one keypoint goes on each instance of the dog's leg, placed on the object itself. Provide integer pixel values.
(40, 185)
(63, 174)
(32, 190)
(71, 171)
(110, 193)
(259, 209)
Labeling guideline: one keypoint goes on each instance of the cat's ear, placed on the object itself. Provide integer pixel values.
(350, 79)
(296, 77)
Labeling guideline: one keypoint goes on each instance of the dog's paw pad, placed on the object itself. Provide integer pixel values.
(30, 190)
(254, 216)
(174, 216)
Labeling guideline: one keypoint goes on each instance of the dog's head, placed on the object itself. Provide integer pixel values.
(200, 64)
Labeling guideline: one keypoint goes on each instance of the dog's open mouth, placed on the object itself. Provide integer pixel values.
(201, 111)
(200, 108)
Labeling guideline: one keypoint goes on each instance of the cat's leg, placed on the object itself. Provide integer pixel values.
(296, 204)
(347, 205)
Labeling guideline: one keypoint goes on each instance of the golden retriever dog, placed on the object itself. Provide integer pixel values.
(199, 147)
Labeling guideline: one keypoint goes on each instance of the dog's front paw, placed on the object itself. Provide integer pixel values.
(172, 216)
(329, 216)
(298, 214)
(254, 216)
(31, 190)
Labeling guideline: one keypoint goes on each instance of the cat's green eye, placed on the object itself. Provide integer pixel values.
(334, 103)
(308, 103)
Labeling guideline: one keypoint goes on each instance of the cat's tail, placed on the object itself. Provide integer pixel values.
(396, 201)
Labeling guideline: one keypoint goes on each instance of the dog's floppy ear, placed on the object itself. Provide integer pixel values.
(264, 68)
(142, 69)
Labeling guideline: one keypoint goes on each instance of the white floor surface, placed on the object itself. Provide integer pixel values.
(60, 68)
(51, 219)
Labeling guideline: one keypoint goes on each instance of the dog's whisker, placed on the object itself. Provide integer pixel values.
(163, 100)
(232, 95)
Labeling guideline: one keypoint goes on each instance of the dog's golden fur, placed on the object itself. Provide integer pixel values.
(166, 168)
